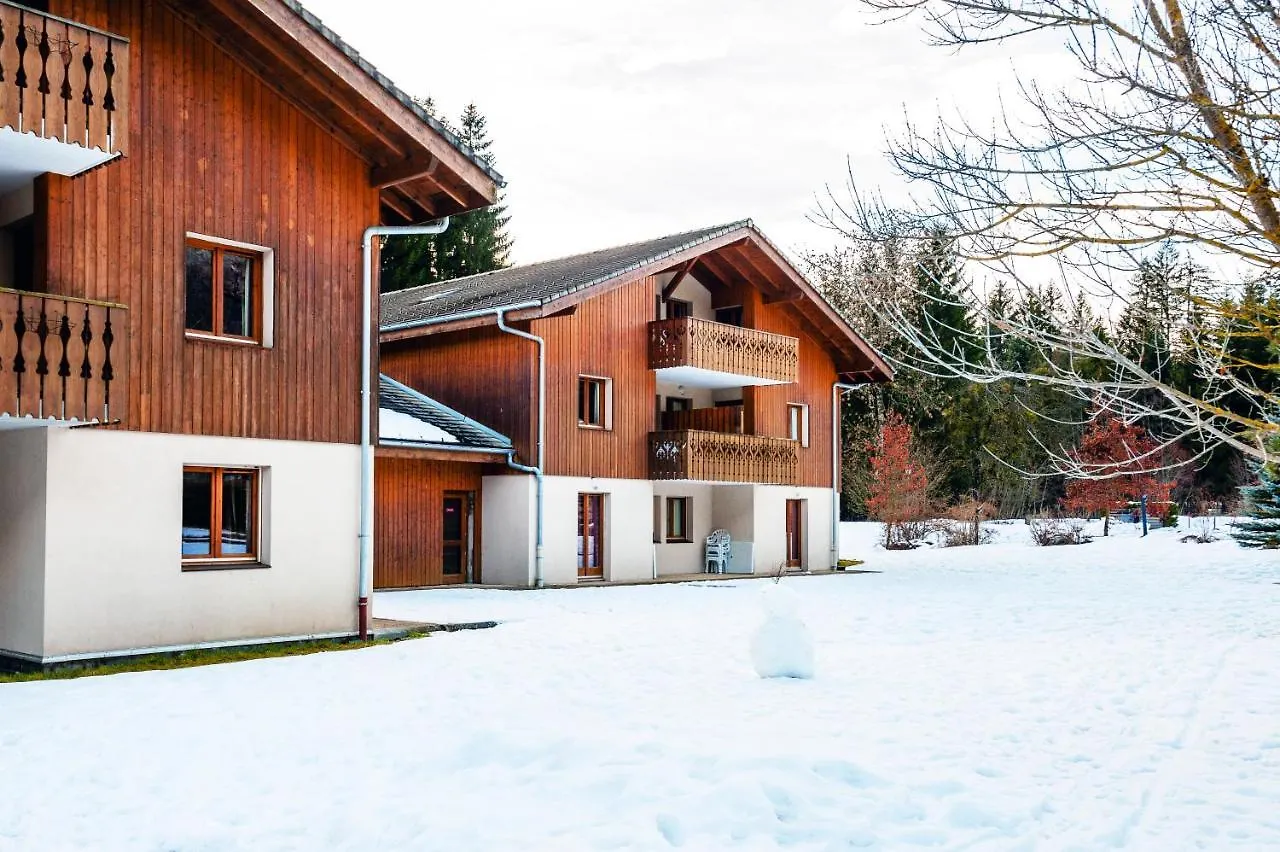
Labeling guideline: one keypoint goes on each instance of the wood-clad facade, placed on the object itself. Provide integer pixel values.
(218, 152)
(181, 275)
(492, 377)
(409, 530)
(487, 375)
(699, 381)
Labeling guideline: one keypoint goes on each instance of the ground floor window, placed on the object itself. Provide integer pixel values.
(678, 519)
(219, 514)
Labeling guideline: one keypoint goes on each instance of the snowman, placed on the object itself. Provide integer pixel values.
(781, 646)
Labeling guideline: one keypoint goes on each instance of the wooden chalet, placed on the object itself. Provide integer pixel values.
(184, 185)
(690, 385)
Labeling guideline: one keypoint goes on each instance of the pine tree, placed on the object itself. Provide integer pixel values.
(475, 242)
(1262, 505)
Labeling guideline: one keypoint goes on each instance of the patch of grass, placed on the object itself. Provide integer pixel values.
(202, 657)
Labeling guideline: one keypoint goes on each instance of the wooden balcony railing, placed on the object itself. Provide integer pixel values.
(690, 342)
(62, 358)
(724, 418)
(62, 80)
(723, 457)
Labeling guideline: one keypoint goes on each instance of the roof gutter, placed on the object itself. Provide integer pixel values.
(539, 469)
(365, 587)
(465, 315)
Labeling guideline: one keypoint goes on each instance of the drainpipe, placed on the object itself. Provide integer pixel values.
(537, 470)
(838, 390)
(366, 403)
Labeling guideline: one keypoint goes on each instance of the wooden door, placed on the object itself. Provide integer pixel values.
(591, 536)
(456, 538)
(795, 533)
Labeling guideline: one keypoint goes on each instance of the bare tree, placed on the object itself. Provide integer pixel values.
(1170, 134)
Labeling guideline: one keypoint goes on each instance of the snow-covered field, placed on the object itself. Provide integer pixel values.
(1122, 694)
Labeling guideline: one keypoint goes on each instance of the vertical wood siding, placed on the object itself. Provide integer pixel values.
(606, 336)
(407, 547)
(215, 151)
(486, 374)
(492, 377)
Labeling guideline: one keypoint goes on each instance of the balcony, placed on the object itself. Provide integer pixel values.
(700, 353)
(723, 457)
(724, 418)
(63, 94)
(62, 358)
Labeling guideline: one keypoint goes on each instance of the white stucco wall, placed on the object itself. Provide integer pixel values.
(685, 558)
(113, 571)
(628, 508)
(507, 537)
(702, 397)
(22, 540)
(692, 291)
(771, 526)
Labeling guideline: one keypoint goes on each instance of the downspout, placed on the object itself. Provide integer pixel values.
(537, 471)
(838, 390)
(366, 402)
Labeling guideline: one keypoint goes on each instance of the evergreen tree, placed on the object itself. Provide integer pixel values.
(1262, 505)
(475, 242)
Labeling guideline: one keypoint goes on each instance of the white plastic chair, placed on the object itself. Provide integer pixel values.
(717, 556)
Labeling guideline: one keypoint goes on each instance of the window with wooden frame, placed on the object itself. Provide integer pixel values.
(730, 316)
(678, 520)
(679, 309)
(798, 423)
(595, 399)
(220, 522)
(225, 290)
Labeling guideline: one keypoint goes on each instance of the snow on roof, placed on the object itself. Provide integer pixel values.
(403, 427)
(409, 416)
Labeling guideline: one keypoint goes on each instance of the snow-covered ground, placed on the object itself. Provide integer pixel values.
(1122, 694)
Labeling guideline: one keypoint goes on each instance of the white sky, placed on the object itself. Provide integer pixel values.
(615, 122)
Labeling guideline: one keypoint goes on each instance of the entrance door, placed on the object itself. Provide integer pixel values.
(456, 538)
(795, 533)
(591, 536)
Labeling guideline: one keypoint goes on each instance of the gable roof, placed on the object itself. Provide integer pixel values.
(421, 170)
(392, 89)
(456, 429)
(541, 282)
(540, 289)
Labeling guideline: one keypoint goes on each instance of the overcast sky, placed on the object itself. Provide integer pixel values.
(615, 122)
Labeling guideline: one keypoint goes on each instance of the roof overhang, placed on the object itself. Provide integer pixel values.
(436, 452)
(742, 253)
(420, 171)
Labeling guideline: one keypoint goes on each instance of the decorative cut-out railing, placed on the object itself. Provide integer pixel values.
(722, 418)
(63, 80)
(690, 342)
(723, 457)
(62, 358)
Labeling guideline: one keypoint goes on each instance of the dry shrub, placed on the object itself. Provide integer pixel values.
(1051, 532)
(907, 535)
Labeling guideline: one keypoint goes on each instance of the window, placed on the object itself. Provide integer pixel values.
(225, 287)
(678, 519)
(219, 514)
(730, 316)
(657, 520)
(679, 308)
(798, 423)
(679, 403)
(595, 399)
